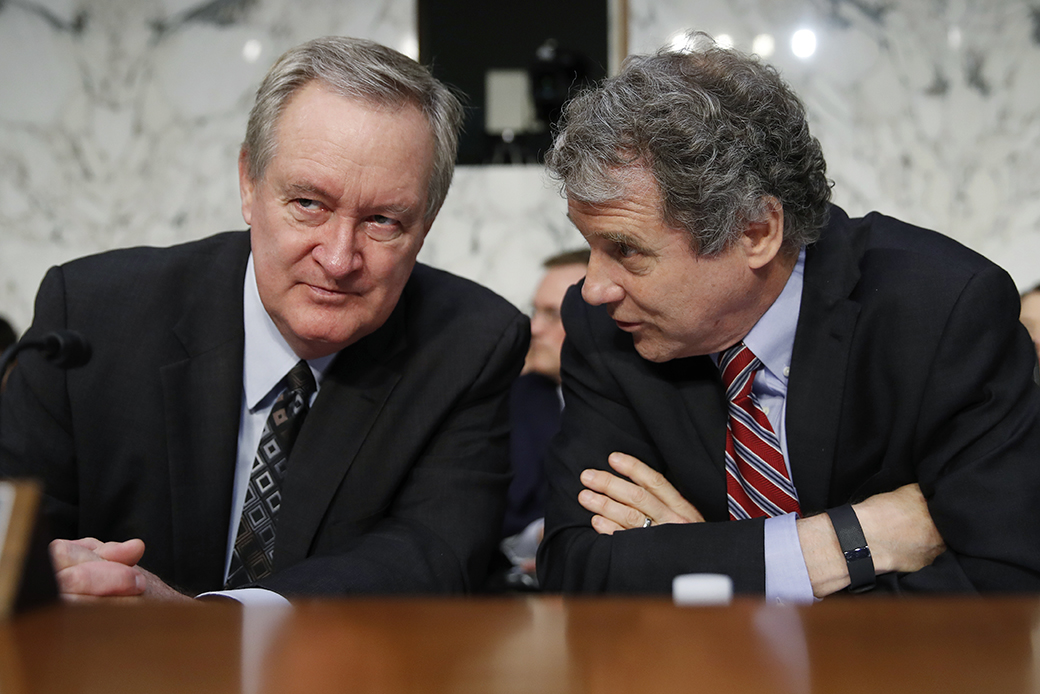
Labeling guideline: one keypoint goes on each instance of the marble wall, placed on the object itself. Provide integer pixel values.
(120, 122)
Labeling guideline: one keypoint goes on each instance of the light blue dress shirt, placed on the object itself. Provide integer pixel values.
(772, 341)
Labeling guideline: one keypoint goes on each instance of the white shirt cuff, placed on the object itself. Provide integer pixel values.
(251, 597)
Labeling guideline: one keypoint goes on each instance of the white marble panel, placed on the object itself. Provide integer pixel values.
(497, 226)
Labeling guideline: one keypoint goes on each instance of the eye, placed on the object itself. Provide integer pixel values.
(623, 250)
(632, 256)
(307, 204)
(383, 228)
(307, 211)
(552, 315)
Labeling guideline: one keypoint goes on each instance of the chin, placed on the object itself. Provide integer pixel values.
(656, 352)
(320, 343)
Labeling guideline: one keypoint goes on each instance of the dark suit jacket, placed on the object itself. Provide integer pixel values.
(534, 412)
(909, 364)
(396, 480)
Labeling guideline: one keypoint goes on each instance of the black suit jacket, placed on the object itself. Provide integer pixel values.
(909, 364)
(396, 480)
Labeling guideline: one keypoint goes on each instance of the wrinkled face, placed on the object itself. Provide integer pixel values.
(674, 302)
(547, 332)
(338, 218)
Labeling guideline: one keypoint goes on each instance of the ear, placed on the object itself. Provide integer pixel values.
(246, 187)
(762, 239)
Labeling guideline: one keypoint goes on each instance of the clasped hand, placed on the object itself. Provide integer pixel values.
(621, 504)
(88, 568)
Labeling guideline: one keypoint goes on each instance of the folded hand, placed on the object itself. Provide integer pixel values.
(88, 568)
(621, 504)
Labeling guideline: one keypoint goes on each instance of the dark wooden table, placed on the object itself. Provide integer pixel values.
(536, 644)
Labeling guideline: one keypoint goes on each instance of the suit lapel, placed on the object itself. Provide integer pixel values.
(350, 400)
(826, 323)
(203, 400)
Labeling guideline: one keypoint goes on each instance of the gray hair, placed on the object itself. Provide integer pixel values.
(719, 131)
(366, 71)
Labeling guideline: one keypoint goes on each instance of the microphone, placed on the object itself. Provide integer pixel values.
(65, 348)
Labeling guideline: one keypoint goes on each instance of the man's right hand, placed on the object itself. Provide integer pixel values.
(899, 530)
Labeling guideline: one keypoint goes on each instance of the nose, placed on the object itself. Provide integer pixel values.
(337, 252)
(599, 288)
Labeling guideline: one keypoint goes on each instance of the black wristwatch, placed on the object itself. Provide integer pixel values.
(854, 545)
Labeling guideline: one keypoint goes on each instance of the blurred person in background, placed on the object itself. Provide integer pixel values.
(535, 403)
(1030, 317)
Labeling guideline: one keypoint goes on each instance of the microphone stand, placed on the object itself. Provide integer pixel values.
(65, 348)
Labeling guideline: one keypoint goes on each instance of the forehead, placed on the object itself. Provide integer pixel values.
(556, 281)
(325, 128)
(633, 221)
(1031, 306)
(638, 204)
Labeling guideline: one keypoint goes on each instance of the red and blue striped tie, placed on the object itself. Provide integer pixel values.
(757, 482)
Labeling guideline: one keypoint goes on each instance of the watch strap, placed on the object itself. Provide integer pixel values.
(854, 546)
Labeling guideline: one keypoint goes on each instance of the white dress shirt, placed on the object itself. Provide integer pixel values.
(267, 359)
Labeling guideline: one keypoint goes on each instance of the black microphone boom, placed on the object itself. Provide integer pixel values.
(66, 348)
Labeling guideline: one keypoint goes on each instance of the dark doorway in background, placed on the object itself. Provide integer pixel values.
(516, 62)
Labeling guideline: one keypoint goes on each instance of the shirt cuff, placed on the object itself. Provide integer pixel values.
(250, 597)
(787, 579)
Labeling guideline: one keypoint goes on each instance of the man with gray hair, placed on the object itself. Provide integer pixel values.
(758, 385)
(300, 407)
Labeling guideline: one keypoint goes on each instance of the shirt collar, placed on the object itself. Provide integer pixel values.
(772, 338)
(268, 357)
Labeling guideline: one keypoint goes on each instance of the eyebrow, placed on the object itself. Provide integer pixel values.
(306, 190)
(396, 209)
(616, 238)
(625, 239)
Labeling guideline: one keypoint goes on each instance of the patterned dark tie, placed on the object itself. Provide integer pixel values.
(757, 482)
(254, 544)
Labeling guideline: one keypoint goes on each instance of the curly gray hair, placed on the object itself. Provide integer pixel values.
(720, 132)
(363, 70)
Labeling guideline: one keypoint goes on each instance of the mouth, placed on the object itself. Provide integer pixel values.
(627, 326)
(326, 292)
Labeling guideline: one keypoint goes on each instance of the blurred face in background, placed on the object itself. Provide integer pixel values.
(547, 332)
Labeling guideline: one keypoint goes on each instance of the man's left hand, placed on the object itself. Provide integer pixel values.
(621, 504)
(88, 569)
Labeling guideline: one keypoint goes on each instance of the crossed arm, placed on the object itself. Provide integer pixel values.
(896, 524)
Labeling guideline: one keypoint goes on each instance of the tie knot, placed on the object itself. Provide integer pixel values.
(301, 380)
(736, 366)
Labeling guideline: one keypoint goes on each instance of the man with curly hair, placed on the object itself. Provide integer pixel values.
(759, 385)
